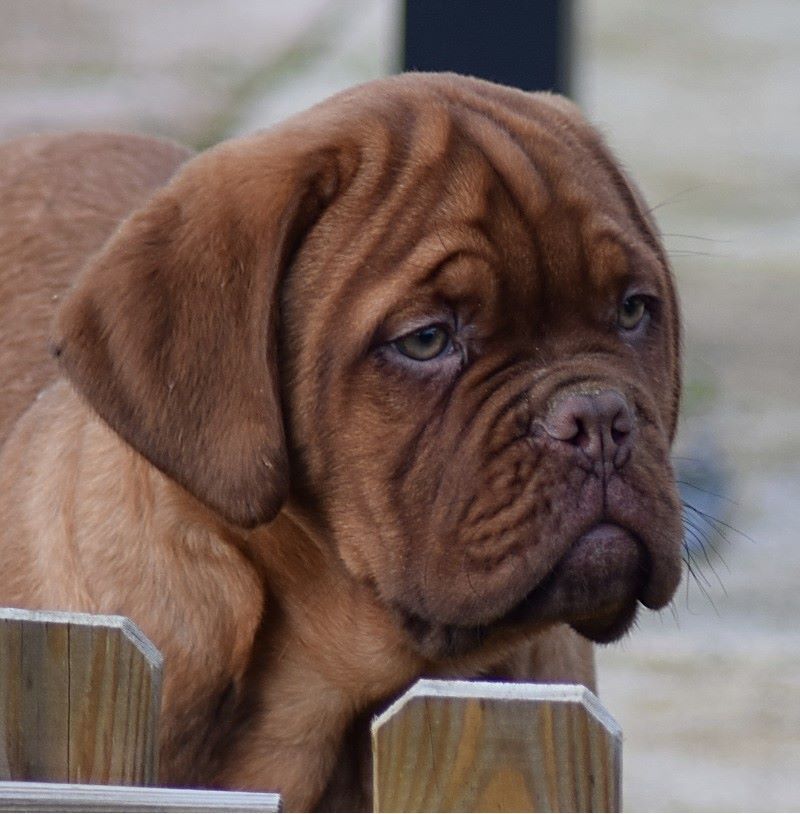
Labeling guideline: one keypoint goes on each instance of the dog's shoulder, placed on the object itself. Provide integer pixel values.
(62, 196)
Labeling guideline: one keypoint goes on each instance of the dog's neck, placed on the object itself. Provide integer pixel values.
(351, 639)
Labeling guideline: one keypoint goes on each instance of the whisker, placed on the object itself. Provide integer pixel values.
(700, 585)
(706, 491)
(696, 253)
(716, 575)
(674, 198)
(689, 571)
(710, 519)
(697, 237)
(705, 544)
(696, 572)
(710, 526)
(705, 539)
(674, 612)
(695, 535)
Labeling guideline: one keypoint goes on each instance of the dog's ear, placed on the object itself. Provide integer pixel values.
(171, 331)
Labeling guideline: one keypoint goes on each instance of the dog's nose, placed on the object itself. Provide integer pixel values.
(600, 424)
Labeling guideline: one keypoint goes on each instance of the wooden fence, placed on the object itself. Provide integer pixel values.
(489, 746)
(79, 700)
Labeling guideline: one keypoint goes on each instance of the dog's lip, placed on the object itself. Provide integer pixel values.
(595, 587)
(609, 626)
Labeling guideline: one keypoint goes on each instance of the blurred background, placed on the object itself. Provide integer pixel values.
(699, 99)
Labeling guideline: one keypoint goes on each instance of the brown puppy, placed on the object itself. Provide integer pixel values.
(387, 390)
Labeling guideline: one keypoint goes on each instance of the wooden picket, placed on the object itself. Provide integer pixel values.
(79, 699)
(486, 746)
(79, 703)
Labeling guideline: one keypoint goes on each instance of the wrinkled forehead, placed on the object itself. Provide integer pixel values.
(459, 201)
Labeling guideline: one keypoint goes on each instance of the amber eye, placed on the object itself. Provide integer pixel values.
(631, 312)
(425, 344)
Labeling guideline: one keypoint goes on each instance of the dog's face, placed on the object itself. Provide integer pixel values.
(434, 312)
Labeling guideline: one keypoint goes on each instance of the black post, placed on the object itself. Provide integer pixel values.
(524, 43)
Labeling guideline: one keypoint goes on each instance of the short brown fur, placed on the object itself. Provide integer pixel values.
(240, 458)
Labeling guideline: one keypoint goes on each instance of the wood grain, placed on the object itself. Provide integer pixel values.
(486, 746)
(62, 797)
(79, 699)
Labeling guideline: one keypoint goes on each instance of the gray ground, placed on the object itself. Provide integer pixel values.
(700, 100)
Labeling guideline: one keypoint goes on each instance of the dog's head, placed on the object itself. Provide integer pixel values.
(433, 314)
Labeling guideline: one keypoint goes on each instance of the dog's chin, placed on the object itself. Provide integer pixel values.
(596, 588)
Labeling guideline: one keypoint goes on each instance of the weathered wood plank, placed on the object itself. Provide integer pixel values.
(77, 797)
(44, 701)
(487, 746)
(79, 699)
(10, 702)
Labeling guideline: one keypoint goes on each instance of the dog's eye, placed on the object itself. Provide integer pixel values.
(631, 312)
(425, 344)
